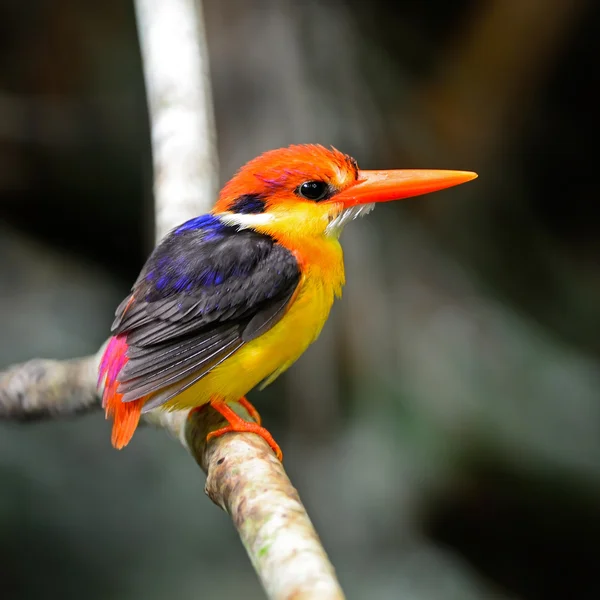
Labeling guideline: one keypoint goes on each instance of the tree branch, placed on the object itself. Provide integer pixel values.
(269, 516)
(42, 389)
(244, 477)
(175, 62)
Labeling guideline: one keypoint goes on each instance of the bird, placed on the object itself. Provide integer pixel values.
(229, 300)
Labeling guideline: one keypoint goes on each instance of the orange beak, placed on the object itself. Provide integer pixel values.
(383, 186)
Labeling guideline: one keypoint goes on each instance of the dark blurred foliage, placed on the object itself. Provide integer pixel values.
(445, 431)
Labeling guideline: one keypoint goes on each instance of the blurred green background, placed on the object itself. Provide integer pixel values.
(444, 432)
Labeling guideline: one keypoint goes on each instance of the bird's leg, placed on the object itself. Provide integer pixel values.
(243, 401)
(236, 423)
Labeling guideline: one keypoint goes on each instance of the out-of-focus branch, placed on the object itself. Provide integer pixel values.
(243, 476)
(41, 389)
(175, 61)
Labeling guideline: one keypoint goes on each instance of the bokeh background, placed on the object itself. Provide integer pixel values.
(445, 431)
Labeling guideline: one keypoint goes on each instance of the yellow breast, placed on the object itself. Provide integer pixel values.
(269, 355)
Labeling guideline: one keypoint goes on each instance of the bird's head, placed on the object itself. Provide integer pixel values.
(309, 190)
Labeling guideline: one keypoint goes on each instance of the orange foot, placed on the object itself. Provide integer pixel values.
(243, 401)
(236, 423)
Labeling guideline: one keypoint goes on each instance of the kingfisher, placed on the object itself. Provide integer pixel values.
(229, 300)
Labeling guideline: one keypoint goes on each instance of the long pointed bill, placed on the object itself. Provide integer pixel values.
(383, 186)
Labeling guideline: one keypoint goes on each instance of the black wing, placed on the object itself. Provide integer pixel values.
(205, 291)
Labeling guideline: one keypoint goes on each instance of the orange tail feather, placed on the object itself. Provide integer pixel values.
(125, 415)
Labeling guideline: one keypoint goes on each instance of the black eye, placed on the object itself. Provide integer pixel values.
(314, 190)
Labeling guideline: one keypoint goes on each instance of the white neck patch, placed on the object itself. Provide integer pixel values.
(246, 221)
